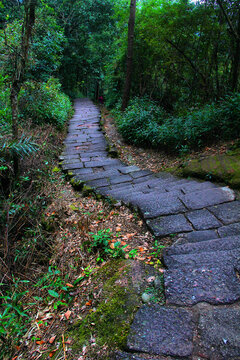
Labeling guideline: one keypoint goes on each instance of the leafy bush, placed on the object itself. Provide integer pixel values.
(140, 122)
(143, 123)
(45, 103)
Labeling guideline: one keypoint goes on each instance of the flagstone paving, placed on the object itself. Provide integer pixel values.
(202, 287)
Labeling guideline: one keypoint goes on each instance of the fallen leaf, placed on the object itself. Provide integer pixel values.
(89, 303)
(67, 314)
(112, 246)
(69, 285)
(51, 340)
(52, 353)
(68, 342)
(118, 228)
(40, 342)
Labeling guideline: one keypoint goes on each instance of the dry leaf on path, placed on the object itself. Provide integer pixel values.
(51, 340)
(67, 314)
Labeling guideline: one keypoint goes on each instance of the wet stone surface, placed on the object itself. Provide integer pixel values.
(219, 333)
(162, 331)
(211, 283)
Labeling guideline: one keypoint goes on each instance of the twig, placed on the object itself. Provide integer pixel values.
(64, 347)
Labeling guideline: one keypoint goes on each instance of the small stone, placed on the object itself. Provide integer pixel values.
(146, 297)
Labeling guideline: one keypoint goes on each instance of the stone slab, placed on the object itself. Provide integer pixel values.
(197, 186)
(98, 183)
(212, 284)
(167, 225)
(162, 331)
(157, 203)
(210, 258)
(143, 179)
(219, 333)
(140, 173)
(228, 213)
(118, 179)
(228, 243)
(127, 356)
(72, 166)
(202, 199)
(101, 163)
(196, 236)
(82, 171)
(229, 230)
(203, 220)
(129, 169)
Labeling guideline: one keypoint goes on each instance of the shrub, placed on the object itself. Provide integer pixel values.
(45, 103)
(140, 122)
(143, 123)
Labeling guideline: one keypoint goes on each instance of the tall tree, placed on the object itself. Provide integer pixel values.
(231, 12)
(127, 86)
(20, 63)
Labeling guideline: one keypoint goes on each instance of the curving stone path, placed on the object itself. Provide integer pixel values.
(202, 282)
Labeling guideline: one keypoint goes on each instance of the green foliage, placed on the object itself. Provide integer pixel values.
(14, 315)
(102, 243)
(140, 122)
(45, 103)
(218, 121)
(55, 284)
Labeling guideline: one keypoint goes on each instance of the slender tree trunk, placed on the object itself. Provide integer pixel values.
(14, 107)
(127, 86)
(236, 58)
(20, 67)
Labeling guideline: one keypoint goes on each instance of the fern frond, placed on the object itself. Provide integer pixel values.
(21, 148)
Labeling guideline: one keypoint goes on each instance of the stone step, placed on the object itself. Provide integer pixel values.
(229, 230)
(205, 198)
(120, 355)
(161, 330)
(211, 258)
(227, 243)
(169, 225)
(215, 284)
(196, 236)
(228, 213)
(157, 203)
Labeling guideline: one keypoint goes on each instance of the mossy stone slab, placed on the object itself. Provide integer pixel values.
(225, 167)
(123, 281)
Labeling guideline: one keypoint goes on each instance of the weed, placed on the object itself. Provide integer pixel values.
(57, 291)
(13, 314)
(106, 248)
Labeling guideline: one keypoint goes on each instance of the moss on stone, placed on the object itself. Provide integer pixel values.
(123, 283)
(87, 190)
(223, 168)
(77, 184)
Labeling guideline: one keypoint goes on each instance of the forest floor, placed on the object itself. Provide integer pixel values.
(65, 286)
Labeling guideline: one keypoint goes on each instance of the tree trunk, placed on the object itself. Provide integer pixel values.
(14, 107)
(127, 86)
(20, 67)
(236, 58)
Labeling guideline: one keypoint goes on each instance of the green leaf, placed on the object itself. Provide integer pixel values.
(53, 293)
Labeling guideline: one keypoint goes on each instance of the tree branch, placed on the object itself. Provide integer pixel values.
(235, 34)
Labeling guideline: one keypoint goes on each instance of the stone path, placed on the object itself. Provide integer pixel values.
(202, 282)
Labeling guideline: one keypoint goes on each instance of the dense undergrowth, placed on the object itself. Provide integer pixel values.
(145, 124)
